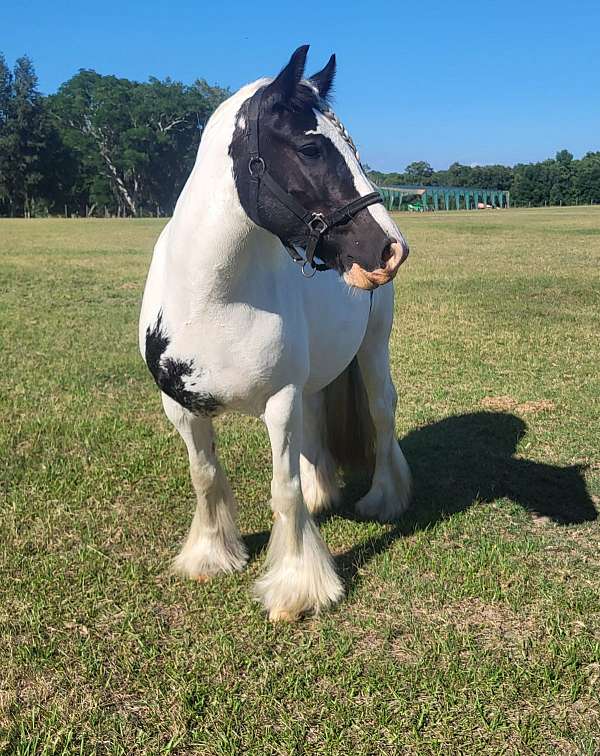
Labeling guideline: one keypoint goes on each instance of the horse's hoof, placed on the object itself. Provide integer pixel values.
(281, 615)
(202, 578)
(383, 506)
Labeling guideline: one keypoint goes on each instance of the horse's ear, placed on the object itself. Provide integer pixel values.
(284, 86)
(323, 80)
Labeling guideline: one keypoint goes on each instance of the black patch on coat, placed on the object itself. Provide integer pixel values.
(169, 374)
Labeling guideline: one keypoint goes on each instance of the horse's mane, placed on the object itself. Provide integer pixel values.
(331, 116)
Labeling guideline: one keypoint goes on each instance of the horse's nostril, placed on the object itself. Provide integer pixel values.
(387, 253)
(394, 254)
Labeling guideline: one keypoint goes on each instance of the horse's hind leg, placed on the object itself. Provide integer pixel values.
(213, 543)
(300, 575)
(390, 490)
(317, 468)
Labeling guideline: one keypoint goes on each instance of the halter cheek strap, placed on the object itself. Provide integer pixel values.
(317, 224)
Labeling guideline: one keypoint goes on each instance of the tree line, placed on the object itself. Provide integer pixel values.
(103, 145)
(561, 180)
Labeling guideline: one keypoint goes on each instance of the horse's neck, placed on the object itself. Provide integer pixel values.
(212, 242)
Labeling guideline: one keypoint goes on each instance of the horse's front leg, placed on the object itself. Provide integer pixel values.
(390, 490)
(213, 543)
(300, 574)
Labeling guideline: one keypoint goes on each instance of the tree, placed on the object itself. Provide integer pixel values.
(22, 136)
(492, 177)
(418, 172)
(564, 157)
(561, 190)
(137, 140)
(28, 129)
(459, 175)
(5, 140)
(586, 181)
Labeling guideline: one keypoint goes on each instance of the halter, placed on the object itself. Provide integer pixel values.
(317, 224)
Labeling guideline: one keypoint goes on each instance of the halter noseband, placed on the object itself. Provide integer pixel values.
(317, 224)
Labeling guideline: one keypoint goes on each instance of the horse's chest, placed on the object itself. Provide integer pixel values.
(218, 356)
(225, 358)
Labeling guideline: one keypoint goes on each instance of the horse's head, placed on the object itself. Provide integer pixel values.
(295, 167)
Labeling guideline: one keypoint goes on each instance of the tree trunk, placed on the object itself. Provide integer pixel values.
(120, 184)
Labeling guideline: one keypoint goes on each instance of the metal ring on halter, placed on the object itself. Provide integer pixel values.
(256, 161)
(304, 273)
(317, 223)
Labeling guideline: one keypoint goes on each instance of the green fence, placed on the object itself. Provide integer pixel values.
(417, 197)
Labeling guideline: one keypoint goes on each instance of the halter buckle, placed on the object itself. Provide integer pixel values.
(256, 167)
(317, 224)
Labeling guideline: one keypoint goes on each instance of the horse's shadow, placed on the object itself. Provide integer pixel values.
(456, 462)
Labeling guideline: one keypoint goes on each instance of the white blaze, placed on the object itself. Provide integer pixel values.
(361, 183)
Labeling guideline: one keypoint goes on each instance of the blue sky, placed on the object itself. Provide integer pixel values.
(475, 82)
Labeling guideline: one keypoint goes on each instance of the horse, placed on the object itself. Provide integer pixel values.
(269, 294)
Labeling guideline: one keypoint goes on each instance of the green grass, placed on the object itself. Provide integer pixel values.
(472, 626)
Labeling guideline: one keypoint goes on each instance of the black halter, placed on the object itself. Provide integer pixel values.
(317, 224)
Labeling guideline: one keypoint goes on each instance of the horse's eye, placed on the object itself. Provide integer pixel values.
(310, 150)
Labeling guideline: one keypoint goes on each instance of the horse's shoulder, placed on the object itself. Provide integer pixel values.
(178, 377)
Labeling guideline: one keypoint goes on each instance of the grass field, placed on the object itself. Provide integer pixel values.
(472, 626)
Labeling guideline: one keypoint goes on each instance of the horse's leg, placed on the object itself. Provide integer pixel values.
(300, 574)
(213, 543)
(390, 490)
(317, 468)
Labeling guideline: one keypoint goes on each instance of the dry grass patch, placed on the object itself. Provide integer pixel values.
(507, 403)
(496, 626)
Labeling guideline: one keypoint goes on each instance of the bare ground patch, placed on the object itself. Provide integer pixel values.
(494, 625)
(508, 404)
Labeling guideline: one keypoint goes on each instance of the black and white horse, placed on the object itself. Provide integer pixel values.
(234, 319)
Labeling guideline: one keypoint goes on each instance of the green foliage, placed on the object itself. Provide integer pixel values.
(23, 133)
(419, 172)
(104, 144)
(136, 142)
(562, 181)
(100, 143)
(587, 178)
(5, 104)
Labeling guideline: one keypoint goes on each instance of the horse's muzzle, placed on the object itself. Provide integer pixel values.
(393, 257)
